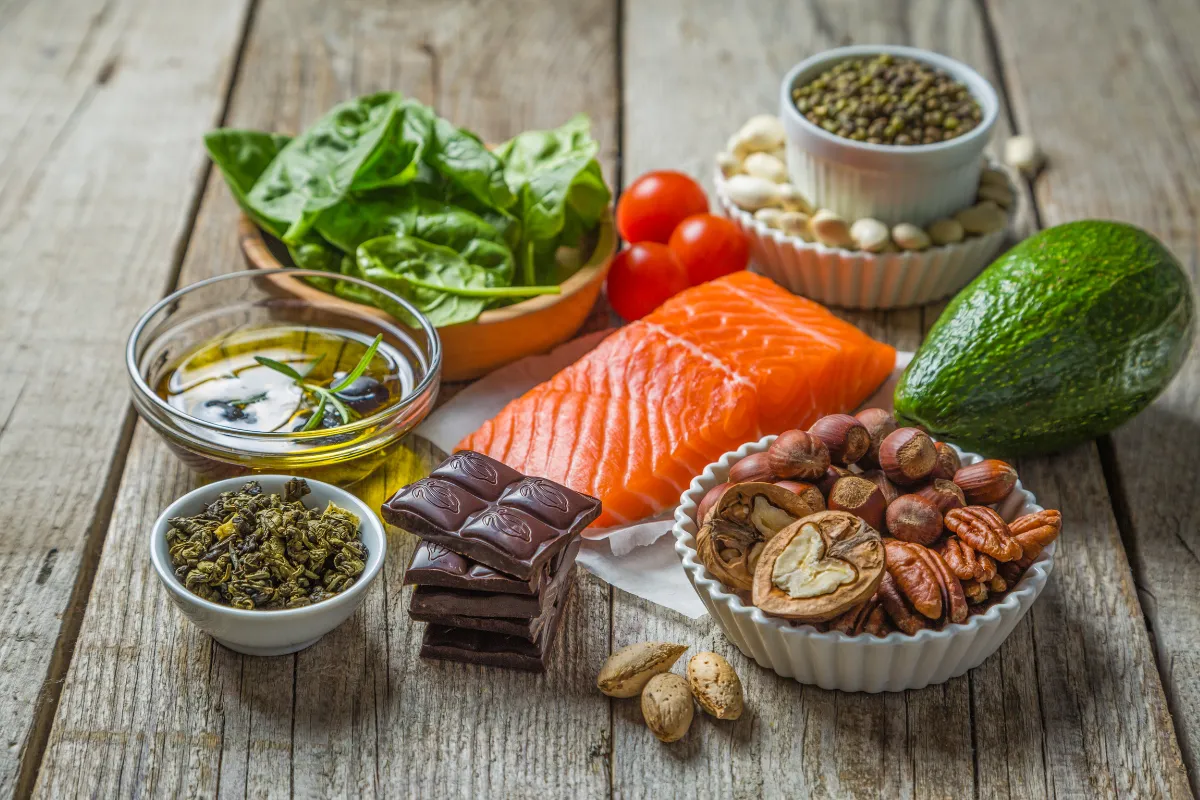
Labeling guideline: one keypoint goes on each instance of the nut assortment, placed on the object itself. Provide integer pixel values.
(754, 167)
(860, 526)
(666, 697)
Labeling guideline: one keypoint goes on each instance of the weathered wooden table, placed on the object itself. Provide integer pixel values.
(107, 201)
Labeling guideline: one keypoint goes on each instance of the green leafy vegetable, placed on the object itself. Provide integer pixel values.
(242, 157)
(317, 169)
(460, 156)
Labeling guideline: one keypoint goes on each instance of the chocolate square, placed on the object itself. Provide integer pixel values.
(435, 565)
(434, 504)
(551, 502)
(485, 477)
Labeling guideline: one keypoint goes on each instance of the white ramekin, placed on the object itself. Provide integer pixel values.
(894, 184)
(268, 633)
(892, 663)
(856, 279)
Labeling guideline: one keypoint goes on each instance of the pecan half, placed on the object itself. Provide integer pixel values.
(953, 599)
(893, 602)
(877, 623)
(984, 530)
(914, 577)
(1034, 531)
(975, 591)
(964, 562)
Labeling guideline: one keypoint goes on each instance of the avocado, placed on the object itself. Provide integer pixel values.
(1063, 338)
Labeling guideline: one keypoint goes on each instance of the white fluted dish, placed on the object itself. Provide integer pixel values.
(892, 183)
(855, 278)
(891, 663)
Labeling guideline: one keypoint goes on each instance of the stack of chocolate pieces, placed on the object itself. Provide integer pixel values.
(494, 567)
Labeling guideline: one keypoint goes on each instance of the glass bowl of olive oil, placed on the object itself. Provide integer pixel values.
(240, 378)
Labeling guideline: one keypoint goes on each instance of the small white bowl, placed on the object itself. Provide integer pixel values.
(857, 279)
(891, 183)
(865, 663)
(268, 633)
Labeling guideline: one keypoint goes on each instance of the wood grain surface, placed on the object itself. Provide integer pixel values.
(1140, 164)
(1071, 706)
(101, 105)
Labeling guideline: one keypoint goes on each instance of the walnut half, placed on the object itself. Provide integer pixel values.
(819, 567)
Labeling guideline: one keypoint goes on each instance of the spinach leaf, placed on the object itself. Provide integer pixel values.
(442, 283)
(401, 212)
(462, 157)
(317, 169)
(561, 192)
(400, 155)
(242, 157)
(313, 252)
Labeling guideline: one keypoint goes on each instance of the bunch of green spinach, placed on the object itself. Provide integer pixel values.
(381, 188)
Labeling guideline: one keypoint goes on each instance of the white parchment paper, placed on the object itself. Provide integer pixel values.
(638, 558)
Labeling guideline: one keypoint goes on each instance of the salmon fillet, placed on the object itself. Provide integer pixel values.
(718, 365)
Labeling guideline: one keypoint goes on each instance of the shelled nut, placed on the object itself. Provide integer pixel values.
(946, 231)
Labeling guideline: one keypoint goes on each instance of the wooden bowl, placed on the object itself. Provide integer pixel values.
(498, 336)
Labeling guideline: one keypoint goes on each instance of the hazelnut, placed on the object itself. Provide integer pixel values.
(831, 476)
(860, 497)
(798, 454)
(809, 495)
(986, 482)
(907, 456)
(890, 492)
(944, 494)
(845, 437)
(755, 467)
(879, 424)
(948, 462)
(709, 500)
(914, 518)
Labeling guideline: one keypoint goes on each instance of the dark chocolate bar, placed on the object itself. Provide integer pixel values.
(434, 600)
(492, 649)
(472, 506)
(423, 610)
(434, 565)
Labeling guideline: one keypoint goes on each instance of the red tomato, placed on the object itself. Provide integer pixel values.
(709, 247)
(642, 277)
(655, 203)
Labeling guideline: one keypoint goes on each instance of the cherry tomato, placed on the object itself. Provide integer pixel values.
(709, 247)
(655, 203)
(642, 277)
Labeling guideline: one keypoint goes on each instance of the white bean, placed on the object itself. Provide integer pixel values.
(751, 193)
(769, 216)
(728, 163)
(946, 231)
(982, 218)
(1023, 154)
(796, 223)
(831, 230)
(765, 165)
(792, 200)
(761, 134)
(909, 237)
(869, 234)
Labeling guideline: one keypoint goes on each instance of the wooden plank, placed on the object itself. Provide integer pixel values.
(150, 701)
(714, 65)
(1005, 729)
(101, 104)
(1139, 165)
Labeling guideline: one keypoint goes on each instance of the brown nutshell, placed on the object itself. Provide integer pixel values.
(846, 544)
(986, 482)
(831, 476)
(945, 494)
(907, 456)
(948, 461)
(798, 454)
(860, 497)
(709, 500)
(890, 492)
(754, 467)
(809, 495)
(914, 518)
(844, 436)
(879, 424)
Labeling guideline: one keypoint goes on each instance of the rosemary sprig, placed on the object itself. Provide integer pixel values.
(324, 395)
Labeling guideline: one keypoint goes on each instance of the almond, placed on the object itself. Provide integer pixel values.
(627, 671)
(715, 685)
(667, 706)
(986, 482)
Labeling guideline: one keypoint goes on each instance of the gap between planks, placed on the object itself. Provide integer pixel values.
(68, 634)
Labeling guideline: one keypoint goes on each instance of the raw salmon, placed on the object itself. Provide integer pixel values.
(723, 363)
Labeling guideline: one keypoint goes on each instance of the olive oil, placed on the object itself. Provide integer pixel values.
(271, 379)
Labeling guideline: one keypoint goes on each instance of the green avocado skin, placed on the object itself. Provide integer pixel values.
(1060, 340)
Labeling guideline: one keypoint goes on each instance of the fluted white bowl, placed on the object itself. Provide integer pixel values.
(864, 663)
